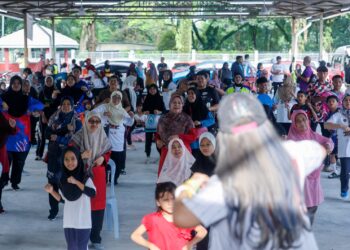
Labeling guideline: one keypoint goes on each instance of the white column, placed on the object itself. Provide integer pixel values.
(53, 42)
(321, 38)
(25, 40)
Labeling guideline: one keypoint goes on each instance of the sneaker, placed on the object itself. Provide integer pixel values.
(328, 169)
(97, 246)
(15, 187)
(344, 195)
(333, 175)
(148, 160)
(52, 217)
(38, 158)
(131, 147)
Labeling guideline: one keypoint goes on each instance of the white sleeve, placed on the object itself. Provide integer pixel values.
(334, 118)
(100, 109)
(128, 121)
(209, 204)
(306, 156)
(90, 184)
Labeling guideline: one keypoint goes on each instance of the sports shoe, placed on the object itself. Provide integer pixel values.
(148, 160)
(15, 187)
(344, 195)
(131, 147)
(333, 175)
(38, 158)
(52, 217)
(97, 246)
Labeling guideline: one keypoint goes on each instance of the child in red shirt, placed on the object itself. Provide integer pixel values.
(161, 231)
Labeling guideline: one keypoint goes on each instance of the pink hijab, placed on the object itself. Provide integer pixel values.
(295, 135)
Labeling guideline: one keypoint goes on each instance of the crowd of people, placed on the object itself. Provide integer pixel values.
(251, 190)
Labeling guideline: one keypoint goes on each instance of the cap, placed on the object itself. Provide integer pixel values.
(240, 112)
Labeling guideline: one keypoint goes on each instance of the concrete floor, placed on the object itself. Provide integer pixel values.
(25, 224)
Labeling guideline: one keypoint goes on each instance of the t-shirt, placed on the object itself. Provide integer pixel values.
(210, 207)
(161, 67)
(279, 77)
(304, 107)
(77, 214)
(164, 234)
(209, 96)
(307, 73)
(343, 140)
(265, 100)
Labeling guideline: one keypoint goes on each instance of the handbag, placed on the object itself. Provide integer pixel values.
(151, 123)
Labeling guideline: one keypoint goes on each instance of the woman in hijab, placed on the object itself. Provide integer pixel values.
(18, 145)
(255, 199)
(95, 147)
(60, 129)
(173, 124)
(299, 131)
(206, 161)
(168, 88)
(45, 96)
(151, 74)
(177, 164)
(7, 127)
(153, 105)
(201, 116)
(76, 189)
(117, 119)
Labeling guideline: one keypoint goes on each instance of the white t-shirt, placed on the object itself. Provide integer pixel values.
(77, 214)
(343, 141)
(210, 207)
(142, 118)
(276, 67)
(167, 95)
(116, 135)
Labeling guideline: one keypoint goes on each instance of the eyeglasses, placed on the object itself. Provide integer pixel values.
(94, 121)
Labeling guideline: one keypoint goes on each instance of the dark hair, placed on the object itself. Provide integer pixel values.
(163, 188)
(278, 58)
(74, 61)
(77, 67)
(333, 97)
(302, 92)
(64, 65)
(337, 77)
(322, 68)
(204, 73)
(238, 57)
(237, 74)
(27, 70)
(246, 56)
(261, 80)
(259, 65)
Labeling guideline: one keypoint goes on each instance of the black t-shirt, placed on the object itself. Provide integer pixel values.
(163, 66)
(209, 95)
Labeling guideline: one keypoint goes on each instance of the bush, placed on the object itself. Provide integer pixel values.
(167, 41)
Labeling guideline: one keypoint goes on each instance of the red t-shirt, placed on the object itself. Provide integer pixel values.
(165, 234)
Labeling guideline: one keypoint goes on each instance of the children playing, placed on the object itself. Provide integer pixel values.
(75, 189)
(162, 233)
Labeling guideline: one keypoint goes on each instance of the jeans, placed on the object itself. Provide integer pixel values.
(344, 174)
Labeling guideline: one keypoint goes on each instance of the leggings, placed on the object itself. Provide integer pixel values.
(97, 223)
(344, 174)
(42, 140)
(148, 143)
(17, 160)
(52, 201)
(119, 160)
(77, 239)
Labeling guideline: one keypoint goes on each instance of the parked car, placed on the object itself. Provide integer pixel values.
(182, 66)
(116, 66)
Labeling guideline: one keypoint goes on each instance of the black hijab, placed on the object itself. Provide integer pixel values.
(197, 110)
(17, 102)
(204, 164)
(71, 191)
(166, 83)
(153, 102)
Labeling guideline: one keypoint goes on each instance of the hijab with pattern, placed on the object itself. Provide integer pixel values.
(97, 141)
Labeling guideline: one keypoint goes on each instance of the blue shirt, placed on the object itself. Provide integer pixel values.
(265, 100)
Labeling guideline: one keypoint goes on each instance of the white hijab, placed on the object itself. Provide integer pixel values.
(176, 170)
(208, 136)
(118, 113)
(129, 83)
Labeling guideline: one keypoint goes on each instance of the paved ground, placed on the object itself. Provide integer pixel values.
(25, 224)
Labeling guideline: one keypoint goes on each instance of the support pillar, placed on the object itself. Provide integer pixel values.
(66, 55)
(7, 58)
(321, 38)
(25, 39)
(53, 42)
(294, 38)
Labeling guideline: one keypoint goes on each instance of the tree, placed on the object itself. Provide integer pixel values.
(184, 36)
(167, 41)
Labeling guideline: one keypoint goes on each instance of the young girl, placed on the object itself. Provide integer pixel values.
(162, 233)
(206, 161)
(75, 189)
(177, 163)
(301, 130)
